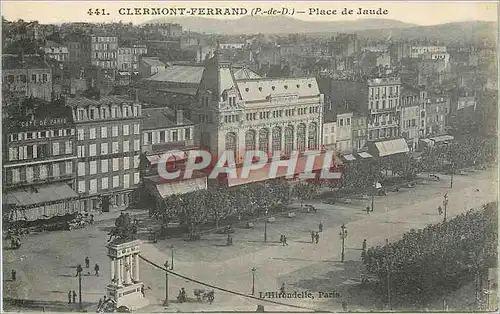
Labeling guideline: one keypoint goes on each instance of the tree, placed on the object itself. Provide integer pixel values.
(219, 204)
(194, 209)
(303, 191)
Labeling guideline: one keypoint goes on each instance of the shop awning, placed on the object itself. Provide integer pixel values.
(349, 157)
(165, 189)
(365, 155)
(442, 138)
(391, 147)
(40, 195)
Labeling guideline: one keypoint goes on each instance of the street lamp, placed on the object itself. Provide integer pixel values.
(265, 226)
(172, 257)
(373, 194)
(80, 289)
(452, 172)
(165, 303)
(445, 204)
(343, 235)
(253, 280)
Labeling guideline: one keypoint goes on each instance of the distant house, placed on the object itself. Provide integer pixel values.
(149, 66)
(56, 51)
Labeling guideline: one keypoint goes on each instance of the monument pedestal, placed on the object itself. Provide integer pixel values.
(125, 287)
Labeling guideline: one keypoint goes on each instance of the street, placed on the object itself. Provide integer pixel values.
(46, 262)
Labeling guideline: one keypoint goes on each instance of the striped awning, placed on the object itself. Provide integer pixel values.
(391, 147)
(365, 155)
(40, 195)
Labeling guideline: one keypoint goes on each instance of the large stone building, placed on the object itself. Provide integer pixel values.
(128, 57)
(56, 51)
(437, 110)
(39, 163)
(418, 51)
(103, 51)
(413, 114)
(108, 132)
(26, 75)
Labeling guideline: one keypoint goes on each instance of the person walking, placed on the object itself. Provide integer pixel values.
(313, 236)
(96, 269)
(320, 227)
(143, 291)
(281, 239)
(317, 237)
(440, 210)
(74, 296)
(79, 269)
(13, 275)
(87, 262)
(368, 209)
(69, 297)
(364, 246)
(284, 241)
(99, 304)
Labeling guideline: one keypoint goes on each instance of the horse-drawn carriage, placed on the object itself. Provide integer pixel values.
(204, 295)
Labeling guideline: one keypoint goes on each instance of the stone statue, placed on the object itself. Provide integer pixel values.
(124, 230)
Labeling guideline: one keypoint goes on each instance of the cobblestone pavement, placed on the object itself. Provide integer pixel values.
(46, 262)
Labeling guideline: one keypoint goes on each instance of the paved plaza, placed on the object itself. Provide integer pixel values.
(46, 262)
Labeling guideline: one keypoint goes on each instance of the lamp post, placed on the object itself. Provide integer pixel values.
(253, 280)
(80, 289)
(452, 172)
(265, 226)
(388, 273)
(373, 194)
(165, 303)
(343, 235)
(172, 257)
(445, 204)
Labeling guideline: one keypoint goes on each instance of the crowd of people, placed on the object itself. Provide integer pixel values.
(429, 262)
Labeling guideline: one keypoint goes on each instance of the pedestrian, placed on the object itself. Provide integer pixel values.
(284, 241)
(13, 275)
(96, 269)
(320, 227)
(79, 270)
(281, 238)
(364, 246)
(99, 304)
(344, 306)
(69, 297)
(317, 237)
(368, 209)
(87, 262)
(143, 291)
(282, 288)
(440, 210)
(74, 296)
(313, 236)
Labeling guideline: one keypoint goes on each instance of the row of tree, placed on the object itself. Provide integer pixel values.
(438, 259)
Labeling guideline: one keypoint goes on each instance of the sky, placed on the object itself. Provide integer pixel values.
(422, 13)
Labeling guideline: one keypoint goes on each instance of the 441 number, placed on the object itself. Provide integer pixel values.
(97, 12)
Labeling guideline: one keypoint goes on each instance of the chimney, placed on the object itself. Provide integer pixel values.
(179, 117)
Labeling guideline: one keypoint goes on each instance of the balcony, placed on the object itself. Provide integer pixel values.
(50, 179)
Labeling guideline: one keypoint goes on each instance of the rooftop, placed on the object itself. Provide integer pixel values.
(11, 62)
(180, 74)
(106, 100)
(262, 88)
(154, 62)
(158, 118)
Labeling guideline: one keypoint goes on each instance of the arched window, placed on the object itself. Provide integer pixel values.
(250, 140)
(231, 143)
(264, 140)
(313, 136)
(301, 137)
(276, 139)
(288, 139)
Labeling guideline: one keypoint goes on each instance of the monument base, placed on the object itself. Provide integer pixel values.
(129, 296)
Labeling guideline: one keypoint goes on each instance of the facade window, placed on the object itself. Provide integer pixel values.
(231, 143)
(81, 169)
(116, 181)
(348, 121)
(250, 140)
(93, 186)
(276, 137)
(137, 145)
(313, 136)
(126, 180)
(116, 164)
(136, 161)
(29, 174)
(175, 136)
(114, 131)
(288, 139)
(264, 140)
(69, 167)
(80, 151)
(81, 134)
(126, 163)
(162, 136)
(136, 178)
(125, 130)
(81, 187)
(104, 166)
(114, 148)
(136, 129)
(55, 149)
(126, 146)
(187, 133)
(104, 183)
(104, 132)
(68, 145)
(93, 167)
(104, 148)
(16, 177)
(93, 149)
(42, 175)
